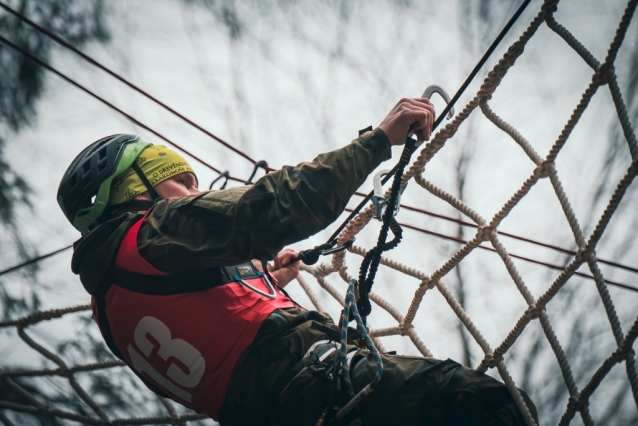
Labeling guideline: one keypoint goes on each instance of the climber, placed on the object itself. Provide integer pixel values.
(176, 296)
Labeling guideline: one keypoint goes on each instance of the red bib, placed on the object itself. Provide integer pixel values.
(186, 344)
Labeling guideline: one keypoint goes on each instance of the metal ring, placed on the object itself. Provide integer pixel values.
(273, 292)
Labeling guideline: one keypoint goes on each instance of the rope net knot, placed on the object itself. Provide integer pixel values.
(545, 169)
(604, 74)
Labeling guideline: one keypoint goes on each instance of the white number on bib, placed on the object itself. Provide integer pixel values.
(177, 348)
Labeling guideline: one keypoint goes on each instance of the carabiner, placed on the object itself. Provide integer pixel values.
(435, 88)
(379, 201)
(221, 176)
(258, 164)
(271, 288)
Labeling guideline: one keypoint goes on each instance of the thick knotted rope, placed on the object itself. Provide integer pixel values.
(542, 167)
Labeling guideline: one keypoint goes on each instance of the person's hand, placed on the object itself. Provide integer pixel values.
(408, 117)
(283, 270)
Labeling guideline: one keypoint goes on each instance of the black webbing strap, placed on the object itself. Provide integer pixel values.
(372, 259)
(189, 282)
(151, 190)
(166, 285)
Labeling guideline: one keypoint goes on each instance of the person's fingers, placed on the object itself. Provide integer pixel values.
(284, 257)
(424, 122)
(414, 104)
(419, 121)
(415, 101)
(257, 265)
(408, 116)
(418, 102)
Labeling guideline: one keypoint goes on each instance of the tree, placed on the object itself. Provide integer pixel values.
(21, 86)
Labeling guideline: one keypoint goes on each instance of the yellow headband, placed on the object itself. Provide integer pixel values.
(158, 164)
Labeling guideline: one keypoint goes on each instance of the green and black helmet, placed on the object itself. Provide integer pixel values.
(83, 193)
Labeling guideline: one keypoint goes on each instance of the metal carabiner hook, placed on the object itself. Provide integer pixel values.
(272, 293)
(223, 175)
(258, 164)
(379, 201)
(435, 88)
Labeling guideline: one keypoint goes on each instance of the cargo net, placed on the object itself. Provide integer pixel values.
(604, 75)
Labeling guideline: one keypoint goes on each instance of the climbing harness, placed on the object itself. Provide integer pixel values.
(343, 408)
(351, 307)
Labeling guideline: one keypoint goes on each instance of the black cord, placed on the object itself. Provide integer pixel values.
(447, 109)
(371, 261)
(34, 260)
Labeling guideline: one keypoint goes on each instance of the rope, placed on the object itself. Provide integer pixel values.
(97, 64)
(371, 261)
(351, 308)
(487, 231)
(445, 111)
(42, 410)
(506, 234)
(431, 188)
(129, 117)
(516, 256)
(34, 260)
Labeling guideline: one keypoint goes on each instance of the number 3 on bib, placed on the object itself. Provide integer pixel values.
(176, 348)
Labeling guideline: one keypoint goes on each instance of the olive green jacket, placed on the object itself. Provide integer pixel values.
(227, 227)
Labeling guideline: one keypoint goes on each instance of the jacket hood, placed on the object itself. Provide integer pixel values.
(95, 253)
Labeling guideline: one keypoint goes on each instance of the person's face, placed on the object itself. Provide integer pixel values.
(181, 185)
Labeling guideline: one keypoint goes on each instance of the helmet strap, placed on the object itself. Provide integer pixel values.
(154, 195)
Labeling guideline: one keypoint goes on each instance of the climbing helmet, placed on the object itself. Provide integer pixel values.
(83, 193)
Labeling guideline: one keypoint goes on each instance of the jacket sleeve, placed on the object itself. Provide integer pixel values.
(218, 228)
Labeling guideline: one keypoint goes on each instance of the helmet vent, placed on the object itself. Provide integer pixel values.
(101, 160)
(86, 168)
(101, 155)
(73, 181)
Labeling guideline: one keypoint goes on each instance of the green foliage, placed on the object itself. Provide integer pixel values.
(21, 86)
(22, 82)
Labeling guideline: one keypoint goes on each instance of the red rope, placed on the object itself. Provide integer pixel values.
(516, 237)
(128, 83)
(526, 259)
(246, 156)
(110, 105)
